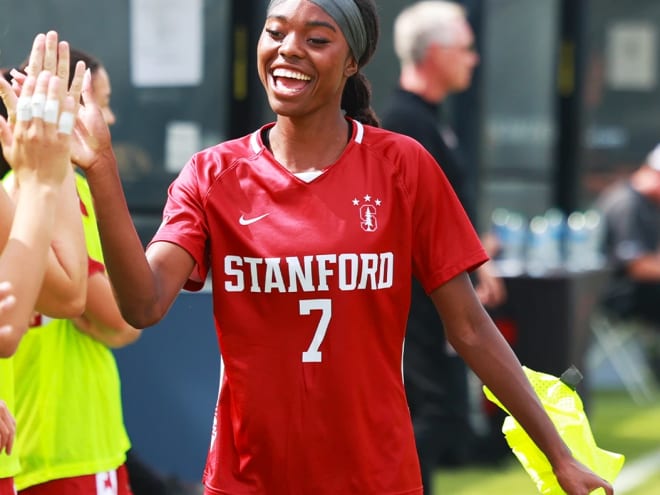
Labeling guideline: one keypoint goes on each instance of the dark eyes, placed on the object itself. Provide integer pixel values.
(278, 36)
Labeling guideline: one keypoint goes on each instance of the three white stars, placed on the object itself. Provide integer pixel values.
(367, 199)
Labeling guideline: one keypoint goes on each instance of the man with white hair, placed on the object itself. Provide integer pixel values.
(631, 209)
(435, 46)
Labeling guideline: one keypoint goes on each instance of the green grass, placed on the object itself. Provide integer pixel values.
(649, 487)
(618, 425)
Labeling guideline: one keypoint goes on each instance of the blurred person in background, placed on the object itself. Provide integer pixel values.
(435, 46)
(631, 210)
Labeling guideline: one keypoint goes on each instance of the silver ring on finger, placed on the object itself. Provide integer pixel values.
(38, 103)
(51, 111)
(24, 109)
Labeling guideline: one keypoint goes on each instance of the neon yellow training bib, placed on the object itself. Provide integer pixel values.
(68, 397)
(9, 465)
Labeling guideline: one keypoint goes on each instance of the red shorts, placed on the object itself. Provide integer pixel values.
(7, 486)
(108, 483)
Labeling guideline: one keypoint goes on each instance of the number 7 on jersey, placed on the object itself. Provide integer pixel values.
(312, 354)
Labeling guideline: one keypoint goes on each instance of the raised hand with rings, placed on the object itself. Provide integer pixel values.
(38, 145)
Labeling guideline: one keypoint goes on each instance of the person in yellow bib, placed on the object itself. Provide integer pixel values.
(67, 384)
(42, 260)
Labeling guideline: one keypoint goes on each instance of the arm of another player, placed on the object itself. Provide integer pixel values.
(490, 287)
(7, 429)
(476, 338)
(63, 292)
(40, 156)
(65, 283)
(145, 289)
(102, 319)
(7, 422)
(145, 286)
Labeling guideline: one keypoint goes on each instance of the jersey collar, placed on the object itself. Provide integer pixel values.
(257, 145)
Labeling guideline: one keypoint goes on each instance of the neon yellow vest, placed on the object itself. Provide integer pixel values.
(68, 397)
(9, 465)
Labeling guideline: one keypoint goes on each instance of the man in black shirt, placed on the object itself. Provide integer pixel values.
(631, 210)
(434, 43)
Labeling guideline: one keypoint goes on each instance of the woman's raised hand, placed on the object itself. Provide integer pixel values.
(92, 140)
(38, 144)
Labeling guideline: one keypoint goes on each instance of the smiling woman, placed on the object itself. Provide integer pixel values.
(313, 227)
(309, 57)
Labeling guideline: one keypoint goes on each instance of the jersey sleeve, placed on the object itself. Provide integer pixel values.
(444, 240)
(185, 224)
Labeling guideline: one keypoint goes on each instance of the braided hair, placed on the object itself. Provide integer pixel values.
(356, 98)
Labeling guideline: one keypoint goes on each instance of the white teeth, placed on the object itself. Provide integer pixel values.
(291, 74)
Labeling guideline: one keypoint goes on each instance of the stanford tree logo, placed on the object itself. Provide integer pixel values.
(368, 212)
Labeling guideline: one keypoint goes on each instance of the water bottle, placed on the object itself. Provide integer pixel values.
(509, 228)
(577, 238)
(498, 221)
(539, 244)
(556, 230)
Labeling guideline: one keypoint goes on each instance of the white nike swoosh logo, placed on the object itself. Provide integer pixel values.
(248, 221)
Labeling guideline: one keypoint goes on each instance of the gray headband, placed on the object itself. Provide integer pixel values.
(349, 19)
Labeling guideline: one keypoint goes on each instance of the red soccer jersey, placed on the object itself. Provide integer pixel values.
(311, 289)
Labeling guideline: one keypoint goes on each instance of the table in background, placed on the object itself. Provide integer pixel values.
(550, 315)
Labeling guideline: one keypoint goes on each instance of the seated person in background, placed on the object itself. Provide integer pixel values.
(631, 210)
